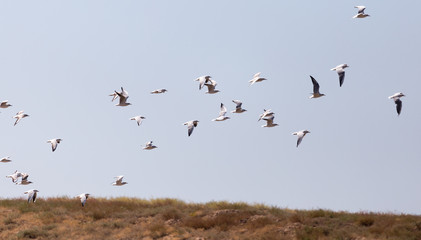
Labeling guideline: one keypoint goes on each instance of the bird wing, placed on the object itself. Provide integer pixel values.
(341, 74)
(83, 198)
(53, 145)
(223, 110)
(360, 9)
(269, 120)
(257, 75)
(300, 138)
(238, 103)
(190, 127)
(316, 85)
(398, 103)
(211, 87)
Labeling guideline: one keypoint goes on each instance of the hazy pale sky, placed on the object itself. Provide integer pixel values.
(59, 61)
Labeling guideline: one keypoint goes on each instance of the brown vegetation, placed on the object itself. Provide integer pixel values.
(128, 218)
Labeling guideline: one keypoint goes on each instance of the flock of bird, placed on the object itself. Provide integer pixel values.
(211, 84)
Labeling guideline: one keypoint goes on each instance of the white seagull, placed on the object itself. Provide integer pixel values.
(54, 142)
(269, 122)
(256, 78)
(5, 159)
(19, 116)
(222, 113)
(211, 86)
(396, 97)
(238, 108)
(190, 126)
(4, 104)
(149, 146)
(123, 95)
(32, 195)
(162, 90)
(138, 119)
(119, 181)
(15, 176)
(202, 80)
(341, 72)
(361, 13)
(83, 197)
(266, 113)
(300, 135)
(316, 87)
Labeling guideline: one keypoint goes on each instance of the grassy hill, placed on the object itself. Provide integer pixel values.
(128, 218)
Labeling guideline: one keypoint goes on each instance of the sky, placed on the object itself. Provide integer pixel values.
(60, 60)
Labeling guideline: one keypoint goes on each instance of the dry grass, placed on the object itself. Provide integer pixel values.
(129, 218)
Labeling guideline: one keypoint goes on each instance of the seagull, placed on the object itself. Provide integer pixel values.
(300, 135)
(269, 122)
(202, 80)
(361, 13)
(32, 195)
(256, 78)
(4, 104)
(190, 126)
(149, 146)
(222, 113)
(15, 176)
(24, 180)
(396, 97)
(83, 197)
(5, 159)
(211, 86)
(238, 108)
(162, 90)
(119, 181)
(138, 119)
(124, 95)
(54, 143)
(266, 113)
(19, 116)
(114, 95)
(341, 72)
(316, 86)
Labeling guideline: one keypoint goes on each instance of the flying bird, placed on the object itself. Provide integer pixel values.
(341, 72)
(256, 78)
(83, 197)
(19, 116)
(119, 181)
(149, 146)
(266, 113)
(211, 86)
(5, 159)
(316, 87)
(396, 97)
(162, 90)
(269, 122)
(361, 13)
(4, 104)
(202, 80)
(190, 126)
(222, 113)
(54, 142)
(138, 119)
(32, 195)
(300, 135)
(15, 176)
(238, 108)
(123, 95)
